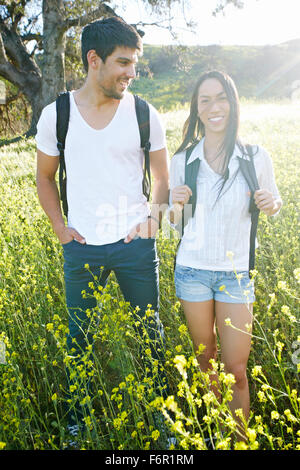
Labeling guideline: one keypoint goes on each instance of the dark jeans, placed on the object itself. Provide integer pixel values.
(136, 268)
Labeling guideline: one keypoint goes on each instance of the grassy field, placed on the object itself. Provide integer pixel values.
(33, 323)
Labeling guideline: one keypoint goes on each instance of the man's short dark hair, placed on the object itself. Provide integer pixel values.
(105, 35)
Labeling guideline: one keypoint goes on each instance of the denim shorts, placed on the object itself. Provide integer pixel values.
(199, 285)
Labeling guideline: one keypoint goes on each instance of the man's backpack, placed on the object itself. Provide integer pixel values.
(247, 168)
(62, 124)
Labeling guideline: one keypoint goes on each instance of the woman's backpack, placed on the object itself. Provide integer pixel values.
(247, 168)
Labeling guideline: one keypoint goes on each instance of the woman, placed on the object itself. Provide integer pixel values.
(211, 274)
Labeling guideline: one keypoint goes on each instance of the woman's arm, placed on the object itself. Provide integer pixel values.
(267, 198)
(179, 192)
(179, 197)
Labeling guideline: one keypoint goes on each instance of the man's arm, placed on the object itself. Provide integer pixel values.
(160, 192)
(49, 197)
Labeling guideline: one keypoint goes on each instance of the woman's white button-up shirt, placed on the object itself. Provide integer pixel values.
(218, 236)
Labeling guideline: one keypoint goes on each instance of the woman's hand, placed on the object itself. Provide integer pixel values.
(266, 202)
(180, 197)
(181, 194)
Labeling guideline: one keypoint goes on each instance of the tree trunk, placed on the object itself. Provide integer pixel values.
(52, 81)
(36, 103)
(53, 69)
(42, 85)
(45, 87)
(19, 68)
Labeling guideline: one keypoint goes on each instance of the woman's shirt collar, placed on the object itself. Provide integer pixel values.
(198, 152)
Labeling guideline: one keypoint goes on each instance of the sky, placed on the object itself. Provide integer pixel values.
(260, 22)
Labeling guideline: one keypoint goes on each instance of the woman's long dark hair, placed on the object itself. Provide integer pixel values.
(194, 129)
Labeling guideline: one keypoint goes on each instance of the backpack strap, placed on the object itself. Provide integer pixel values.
(143, 118)
(191, 171)
(62, 124)
(248, 170)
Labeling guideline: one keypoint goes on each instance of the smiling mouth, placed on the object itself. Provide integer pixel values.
(216, 119)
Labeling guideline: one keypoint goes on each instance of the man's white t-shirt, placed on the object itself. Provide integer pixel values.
(104, 169)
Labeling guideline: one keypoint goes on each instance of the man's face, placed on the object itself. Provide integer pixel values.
(117, 72)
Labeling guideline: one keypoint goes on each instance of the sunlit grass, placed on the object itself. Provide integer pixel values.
(33, 325)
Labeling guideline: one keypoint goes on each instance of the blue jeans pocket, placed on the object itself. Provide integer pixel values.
(67, 244)
(184, 272)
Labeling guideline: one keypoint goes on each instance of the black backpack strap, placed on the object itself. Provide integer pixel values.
(190, 179)
(191, 171)
(62, 124)
(143, 118)
(248, 170)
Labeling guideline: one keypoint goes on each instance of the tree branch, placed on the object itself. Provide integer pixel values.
(22, 77)
(16, 12)
(32, 37)
(102, 10)
(16, 52)
(222, 4)
(7, 70)
(3, 57)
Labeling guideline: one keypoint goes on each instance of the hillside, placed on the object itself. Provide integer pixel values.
(166, 76)
(167, 73)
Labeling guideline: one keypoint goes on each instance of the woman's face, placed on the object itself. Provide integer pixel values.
(213, 106)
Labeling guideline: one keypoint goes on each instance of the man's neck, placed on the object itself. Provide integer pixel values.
(88, 96)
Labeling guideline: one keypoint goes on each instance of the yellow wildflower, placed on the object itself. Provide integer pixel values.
(155, 435)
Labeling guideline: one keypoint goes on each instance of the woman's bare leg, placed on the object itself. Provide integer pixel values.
(235, 342)
(200, 318)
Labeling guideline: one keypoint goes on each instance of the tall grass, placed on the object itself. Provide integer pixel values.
(34, 321)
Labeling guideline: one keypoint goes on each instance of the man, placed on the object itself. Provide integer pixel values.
(109, 220)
